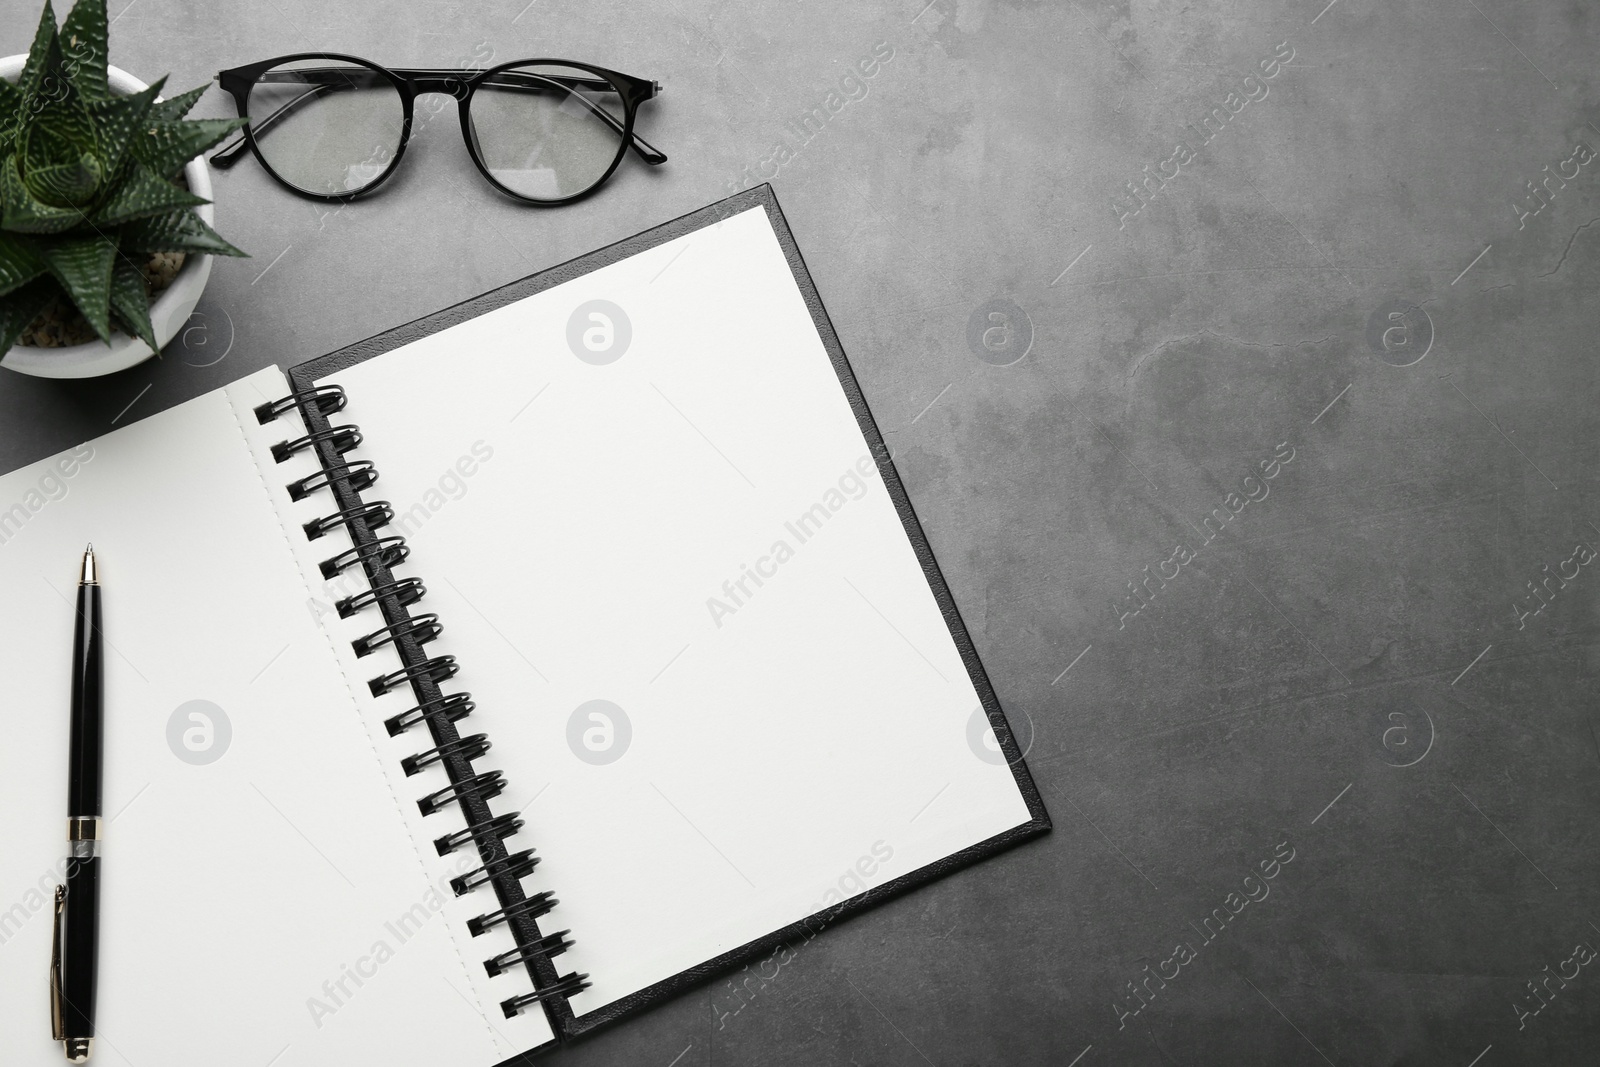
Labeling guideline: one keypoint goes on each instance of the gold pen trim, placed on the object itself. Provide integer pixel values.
(84, 828)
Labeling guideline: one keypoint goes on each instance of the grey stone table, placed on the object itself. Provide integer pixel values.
(1238, 361)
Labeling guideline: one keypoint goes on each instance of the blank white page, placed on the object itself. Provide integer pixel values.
(790, 743)
(260, 908)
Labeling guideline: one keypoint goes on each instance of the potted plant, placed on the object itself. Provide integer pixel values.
(103, 205)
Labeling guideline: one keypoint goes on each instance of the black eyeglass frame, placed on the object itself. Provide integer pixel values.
(460, 84)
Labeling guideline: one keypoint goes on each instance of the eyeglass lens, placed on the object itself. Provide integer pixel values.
(326, 126)
(545, 131)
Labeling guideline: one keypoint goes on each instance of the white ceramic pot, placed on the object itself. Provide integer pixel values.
(170, 310)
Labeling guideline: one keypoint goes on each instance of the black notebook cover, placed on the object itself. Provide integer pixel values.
(307, 375)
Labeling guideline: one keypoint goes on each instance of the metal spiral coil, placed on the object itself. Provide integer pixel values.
(546, 947)
(515, 865)
(420, 628)
(328, 399)
(498, 827)
(405, 591)
(469, 789)
(485, 785)
(468, 748)
(360, 475)
(530, 908)
(374, 513)
(393, 551)
(451, 708)
(438, 669)
(568, 985)
(341, 439)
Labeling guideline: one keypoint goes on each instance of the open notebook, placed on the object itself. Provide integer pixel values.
(637, 506)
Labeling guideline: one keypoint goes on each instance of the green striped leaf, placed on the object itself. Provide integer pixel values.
(130, 300)
(22, 306)
(174, 109)
(20, 261)
(24, 213)
(60, 135)
(83, 267)
(117, 121)
(84, 36)
(44, 53)
(167, 147)
(66, 184)
(182, 231)
(142, 195)
(10, 113)
(58, 131)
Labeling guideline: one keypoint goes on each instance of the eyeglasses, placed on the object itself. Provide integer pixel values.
(334, 127)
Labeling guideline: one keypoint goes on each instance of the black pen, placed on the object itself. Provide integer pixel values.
(76, 950)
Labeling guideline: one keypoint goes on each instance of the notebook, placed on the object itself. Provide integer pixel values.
(636, 506)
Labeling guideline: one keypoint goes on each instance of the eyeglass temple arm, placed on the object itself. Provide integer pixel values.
(340, 79)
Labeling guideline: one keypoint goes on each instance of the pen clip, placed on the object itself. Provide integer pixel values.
(58, 1029)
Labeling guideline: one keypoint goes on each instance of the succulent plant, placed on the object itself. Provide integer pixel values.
(88, 182)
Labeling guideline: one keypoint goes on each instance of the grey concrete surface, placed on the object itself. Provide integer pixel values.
(1352, 665)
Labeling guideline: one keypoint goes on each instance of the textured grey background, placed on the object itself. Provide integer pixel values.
(1358, 618)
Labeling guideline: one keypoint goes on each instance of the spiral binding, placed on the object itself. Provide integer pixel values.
(533, 907)
(376, 514)
(391, 550)
(451, 708)
(517, 865)
(568, 985)
(358, 476)
(405, 592)
(436, 670)
(485, 787)
(501, 826)
(470, 789)
(422, 628)
(467, 747)
(547, 946)
(341, 438)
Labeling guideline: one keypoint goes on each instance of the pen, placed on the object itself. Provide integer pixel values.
(74, 957)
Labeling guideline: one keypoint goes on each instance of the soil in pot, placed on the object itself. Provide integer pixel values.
(61, 324)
